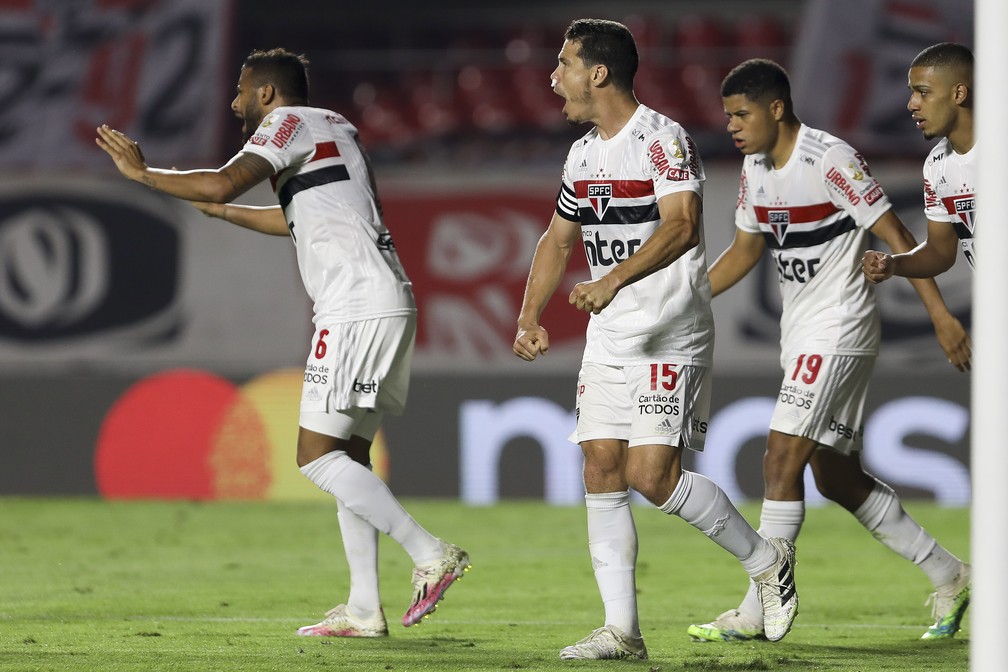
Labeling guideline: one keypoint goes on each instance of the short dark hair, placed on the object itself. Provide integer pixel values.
(947, 55)
(285, 70)
(607, 43)
(758, 79)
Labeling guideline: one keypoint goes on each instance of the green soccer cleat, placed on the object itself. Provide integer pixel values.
(949, 606)
(731, 626)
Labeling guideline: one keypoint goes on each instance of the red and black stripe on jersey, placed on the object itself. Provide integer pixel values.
(569, 203)
(805, 226)
(314, 178)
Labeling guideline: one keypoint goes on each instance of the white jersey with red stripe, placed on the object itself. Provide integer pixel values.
(327, 191)
(612, 188)
(814, 214)
(950, 181)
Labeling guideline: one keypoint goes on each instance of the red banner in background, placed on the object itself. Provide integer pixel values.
(469, 257)
(152, 69)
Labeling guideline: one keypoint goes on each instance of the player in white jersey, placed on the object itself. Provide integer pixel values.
(359, 359)
(631, 194)
(941, 102)
(810, 198)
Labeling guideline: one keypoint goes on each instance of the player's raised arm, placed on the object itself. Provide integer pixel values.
(549, 265)
(239, 175)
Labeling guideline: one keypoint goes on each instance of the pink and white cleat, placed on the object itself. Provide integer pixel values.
(339, 622)
(430, 583)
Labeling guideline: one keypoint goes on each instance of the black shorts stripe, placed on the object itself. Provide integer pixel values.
(315, 178)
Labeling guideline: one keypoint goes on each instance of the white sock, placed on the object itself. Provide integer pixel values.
(777, 519)
(367, 495)
(360, 542)
(701, 503)
(883, 516)
(612, 543)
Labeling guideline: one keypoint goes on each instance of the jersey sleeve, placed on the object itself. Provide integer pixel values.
(851, 186)
(566, 201)
(934, 209)
(745, 215)
(673, 162)
(283, 139)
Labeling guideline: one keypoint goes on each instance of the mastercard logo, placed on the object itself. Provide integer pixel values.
(190, 434)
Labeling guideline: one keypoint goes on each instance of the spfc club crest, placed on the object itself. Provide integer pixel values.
(778, 221)
(966, 209)
(599, 196)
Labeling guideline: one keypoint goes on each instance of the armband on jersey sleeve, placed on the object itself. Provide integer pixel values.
(567, 204)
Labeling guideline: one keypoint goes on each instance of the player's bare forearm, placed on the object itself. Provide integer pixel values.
(933, 257)
(951, 335)
(215, 186)
(678, 233)
(549, 265)
(269, 220)
(735, 262)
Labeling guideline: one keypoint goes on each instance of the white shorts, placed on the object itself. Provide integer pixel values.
(362, 422)
(650, 404)
(357, 366)
(822, 398)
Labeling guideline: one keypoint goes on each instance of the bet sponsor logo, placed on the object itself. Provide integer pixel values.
(365, 387)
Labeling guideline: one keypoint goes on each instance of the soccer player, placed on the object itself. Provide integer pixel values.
(631, 193)
(358, 364)
(941, 102)
(810, 198)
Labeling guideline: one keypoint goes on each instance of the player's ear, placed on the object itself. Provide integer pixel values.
(777, 109)
(962, 93)
(267, 93)
(600, 73)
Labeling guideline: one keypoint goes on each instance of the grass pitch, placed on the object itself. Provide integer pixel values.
(91, 585)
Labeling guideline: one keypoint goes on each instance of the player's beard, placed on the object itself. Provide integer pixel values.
(251, 117)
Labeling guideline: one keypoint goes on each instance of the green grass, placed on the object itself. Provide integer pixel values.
(91, 585)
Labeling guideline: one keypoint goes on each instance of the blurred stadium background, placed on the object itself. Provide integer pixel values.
(148, 352)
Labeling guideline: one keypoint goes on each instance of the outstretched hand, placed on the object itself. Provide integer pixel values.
(124, 152)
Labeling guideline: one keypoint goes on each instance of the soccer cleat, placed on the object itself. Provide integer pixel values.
(606, 643)
(777, 592)
(731, 626)
(339, 622)
(430, 583)
(949, 604)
